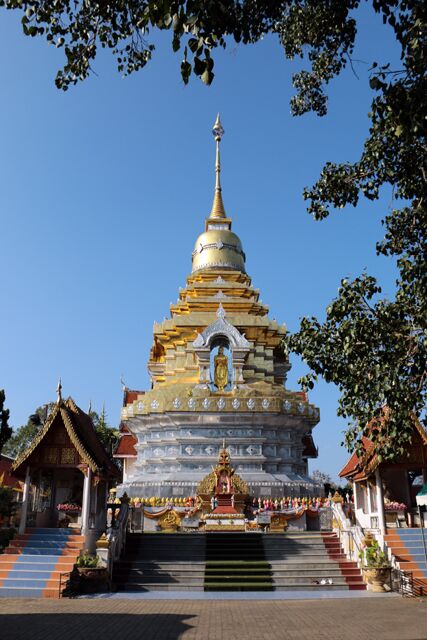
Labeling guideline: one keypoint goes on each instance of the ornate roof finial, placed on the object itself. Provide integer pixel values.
(223, 443)
(221, 311)
(89, 410)
(59, 392)
(218, 210)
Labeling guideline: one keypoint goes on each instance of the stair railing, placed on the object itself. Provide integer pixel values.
(111, 546)
(350, 536)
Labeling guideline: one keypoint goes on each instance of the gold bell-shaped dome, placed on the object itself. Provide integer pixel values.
(218, 247)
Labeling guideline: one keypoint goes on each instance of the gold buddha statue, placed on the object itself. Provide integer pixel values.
(221, 370)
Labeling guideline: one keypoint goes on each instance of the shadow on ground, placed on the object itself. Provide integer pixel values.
(94, 626)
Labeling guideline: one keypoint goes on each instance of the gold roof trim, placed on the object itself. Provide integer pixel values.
(60, 408)
(76, 441)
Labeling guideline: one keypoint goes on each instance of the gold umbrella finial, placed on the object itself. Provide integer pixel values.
(59, 392)
(218, 210)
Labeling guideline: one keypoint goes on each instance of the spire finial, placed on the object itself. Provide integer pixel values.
(218, 205)
(89, 410)
(223, 443)
(59, 392)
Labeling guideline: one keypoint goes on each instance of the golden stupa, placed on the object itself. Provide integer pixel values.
(174, 430)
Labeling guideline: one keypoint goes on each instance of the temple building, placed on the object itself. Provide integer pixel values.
(217, 371)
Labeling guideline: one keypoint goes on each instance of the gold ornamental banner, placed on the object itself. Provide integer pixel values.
(158, 514)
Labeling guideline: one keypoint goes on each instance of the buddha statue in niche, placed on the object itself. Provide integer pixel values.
(221, 369)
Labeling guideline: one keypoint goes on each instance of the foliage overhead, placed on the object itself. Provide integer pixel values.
(22, 437)
(7, 503)
(108, 436)
(373, 349)
(5, 430)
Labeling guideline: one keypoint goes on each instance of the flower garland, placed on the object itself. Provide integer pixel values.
(68, 506)
(394, 506)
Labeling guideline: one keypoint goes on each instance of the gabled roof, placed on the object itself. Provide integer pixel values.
(126, 445)
(360, 467)
(6, 480)
(130, 395)
(81, 432)
(353, 465)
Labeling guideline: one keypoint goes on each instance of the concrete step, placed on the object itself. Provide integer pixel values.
(30, 574)
(148, 580)
(55, 560)
(158, 572)
(22, 592)
(164, 566)
(336, 580)
(321, 587)
(37, 551)
(160, 587)
(45, 544)
(317, 573)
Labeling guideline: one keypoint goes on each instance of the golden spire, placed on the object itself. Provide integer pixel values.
(217, 210)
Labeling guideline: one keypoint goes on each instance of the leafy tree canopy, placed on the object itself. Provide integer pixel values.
(5, 430)
(7, 502)
(321, 477)
(373, 349)
(22, 437)
(108, 436)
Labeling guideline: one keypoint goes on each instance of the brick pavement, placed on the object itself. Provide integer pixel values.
(355, 619)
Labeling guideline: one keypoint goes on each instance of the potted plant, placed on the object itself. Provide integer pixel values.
(375, 565)
(88, 567)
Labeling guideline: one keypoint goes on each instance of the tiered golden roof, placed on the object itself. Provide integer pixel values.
(218, 278)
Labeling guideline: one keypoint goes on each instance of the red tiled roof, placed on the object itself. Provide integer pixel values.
(126, 447)
(130, 395)
(6, 480)
(353, 465)
(302, 395)
(359, 468)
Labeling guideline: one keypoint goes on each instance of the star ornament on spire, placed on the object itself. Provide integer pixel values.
(218, 130)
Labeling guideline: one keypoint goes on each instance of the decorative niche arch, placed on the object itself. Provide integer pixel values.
(221, 332)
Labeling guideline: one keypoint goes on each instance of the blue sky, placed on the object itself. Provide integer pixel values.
(105, 188)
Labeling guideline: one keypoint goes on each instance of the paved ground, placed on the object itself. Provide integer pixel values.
(85, 619)
(237, 595)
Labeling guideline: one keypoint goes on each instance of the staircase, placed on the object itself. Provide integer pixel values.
(310, 560)
(235, 562)
(161, 562)
(408, 549)
(32, 564)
